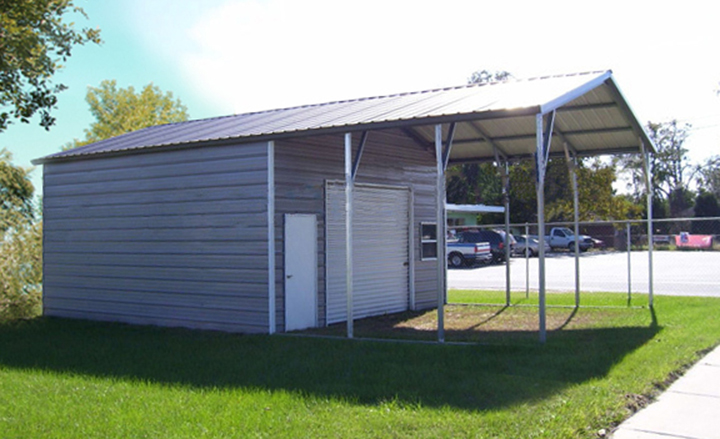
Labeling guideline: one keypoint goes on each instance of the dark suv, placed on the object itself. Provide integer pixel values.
(496, 240)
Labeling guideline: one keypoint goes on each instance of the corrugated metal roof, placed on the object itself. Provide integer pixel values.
(592, 116)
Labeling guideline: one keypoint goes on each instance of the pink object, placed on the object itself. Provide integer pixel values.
(686, 240)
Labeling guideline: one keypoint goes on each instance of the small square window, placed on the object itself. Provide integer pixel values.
(428, 241)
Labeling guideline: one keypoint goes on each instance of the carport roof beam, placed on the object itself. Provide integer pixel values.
(567, 144)
(486, 137)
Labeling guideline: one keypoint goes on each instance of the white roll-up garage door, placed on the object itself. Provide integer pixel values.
(380, 250)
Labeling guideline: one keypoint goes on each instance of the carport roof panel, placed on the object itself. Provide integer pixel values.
(590, 108)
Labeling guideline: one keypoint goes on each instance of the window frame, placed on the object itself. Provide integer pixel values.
(428, 241)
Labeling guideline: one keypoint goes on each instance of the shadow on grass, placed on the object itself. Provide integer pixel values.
(492, 317)
(470, 377)
(569, 319)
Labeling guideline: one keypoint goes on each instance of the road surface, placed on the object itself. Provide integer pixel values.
(680, 273)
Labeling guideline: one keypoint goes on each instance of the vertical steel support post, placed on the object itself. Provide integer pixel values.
(543, 141)
(629, 257)
(411, 251)
(349, 186)
(576, 207)
(440, 207)
(506, 204)
(271, 235)
(504, 171)
(527, 262)
(572, 167)
(651, 241)
(540, 189)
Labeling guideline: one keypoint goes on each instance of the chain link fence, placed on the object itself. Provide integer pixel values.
(685, 260)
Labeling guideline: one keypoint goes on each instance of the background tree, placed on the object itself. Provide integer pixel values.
(708, 176)
(122, 110)
(20, 243)
(706, 205)
(34, 41)
(596, 197)
(485, 76)
(474, 183)
(21, 272)
(671, 169)
(16, 194)
(523, 195)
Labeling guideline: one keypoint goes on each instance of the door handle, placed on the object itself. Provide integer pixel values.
(288, 276)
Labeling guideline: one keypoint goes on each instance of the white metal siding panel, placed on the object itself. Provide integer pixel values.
(302, 166)
(171, 238)
(380, 251)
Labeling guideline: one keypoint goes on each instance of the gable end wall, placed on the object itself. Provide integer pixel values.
(175, 238)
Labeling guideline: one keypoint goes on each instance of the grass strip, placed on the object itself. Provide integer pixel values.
(67, 378)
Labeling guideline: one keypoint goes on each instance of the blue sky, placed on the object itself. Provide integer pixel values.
(231, 56)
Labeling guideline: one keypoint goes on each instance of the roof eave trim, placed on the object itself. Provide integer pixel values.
(576, 93)
(431, 120)
(635, 124)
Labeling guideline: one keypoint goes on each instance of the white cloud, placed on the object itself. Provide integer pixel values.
(247, 55)
(279, 53)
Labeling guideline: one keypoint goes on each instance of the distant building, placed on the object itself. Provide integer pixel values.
(466, 214)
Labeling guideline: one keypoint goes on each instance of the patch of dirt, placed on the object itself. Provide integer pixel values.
(471, 323)
(635, 402)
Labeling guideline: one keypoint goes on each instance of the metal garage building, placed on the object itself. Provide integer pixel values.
(240, 223)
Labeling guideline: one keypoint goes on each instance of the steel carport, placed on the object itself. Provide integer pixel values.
(500, 122)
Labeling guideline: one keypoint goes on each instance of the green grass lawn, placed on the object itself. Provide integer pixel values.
(66, 378)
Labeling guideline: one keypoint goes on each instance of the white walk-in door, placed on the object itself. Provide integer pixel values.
(300, 271)
(380, 251)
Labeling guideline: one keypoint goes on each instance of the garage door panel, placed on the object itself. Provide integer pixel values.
(380, 251)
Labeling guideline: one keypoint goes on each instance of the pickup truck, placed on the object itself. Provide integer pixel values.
(460, 253)
(563, 237)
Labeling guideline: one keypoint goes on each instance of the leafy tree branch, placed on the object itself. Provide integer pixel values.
(35, 39)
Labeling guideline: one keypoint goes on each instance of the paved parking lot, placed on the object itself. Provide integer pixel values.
(675, 273)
